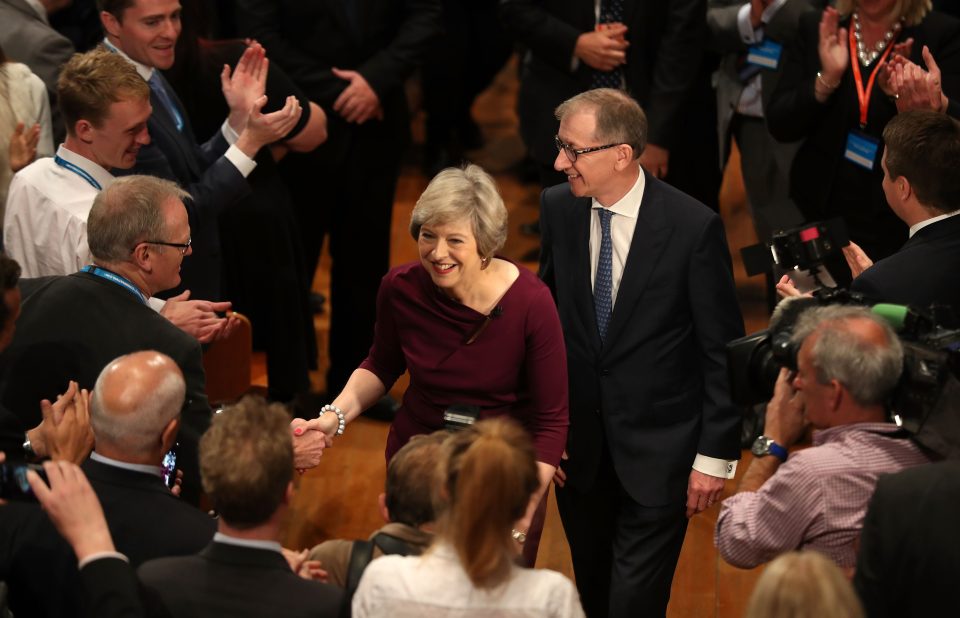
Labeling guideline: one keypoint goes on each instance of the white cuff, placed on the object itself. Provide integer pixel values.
(242, 162)
(720, 468)
(157, 304)
(747, 34)
(228, 133)
(100, 555)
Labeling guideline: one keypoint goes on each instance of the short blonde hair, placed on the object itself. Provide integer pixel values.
(89, 83)
(803, 584)
(620, 119)
(911, 11)
(468, 193)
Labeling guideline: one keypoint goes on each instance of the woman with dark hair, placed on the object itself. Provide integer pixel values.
(485, 478)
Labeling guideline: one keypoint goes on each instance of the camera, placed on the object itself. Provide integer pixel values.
(805, 247)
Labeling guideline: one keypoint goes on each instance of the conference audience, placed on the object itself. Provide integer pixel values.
(135, 413)
(472, 328)
(486, 476)
(848, 363)
(835, 93)
(246, 460)
(799, 584)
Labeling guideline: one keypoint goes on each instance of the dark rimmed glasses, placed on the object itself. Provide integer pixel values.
(572, 153)
(183, 247)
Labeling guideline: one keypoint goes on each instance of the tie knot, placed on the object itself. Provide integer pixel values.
(605, 215)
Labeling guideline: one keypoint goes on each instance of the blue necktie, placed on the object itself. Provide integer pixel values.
(603, 282)
(156, 85)
(611, 11)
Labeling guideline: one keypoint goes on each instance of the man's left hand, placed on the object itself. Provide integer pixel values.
(199, 317)
(702, 491)
(358, 102)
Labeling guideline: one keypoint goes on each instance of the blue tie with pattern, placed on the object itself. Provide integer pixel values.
(611, 11)
(603, 282)
(156, 85)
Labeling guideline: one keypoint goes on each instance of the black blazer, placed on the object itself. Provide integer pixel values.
(111, 589)
(213, 182)
(666, 42)
(657, 393)
(71, 327)
(146, 520)
(923, 272)
(227, 580)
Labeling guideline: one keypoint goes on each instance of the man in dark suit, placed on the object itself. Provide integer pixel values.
(351, 58)
(71, 327)
(214, 173)
(643, 283)
(135, 413)
(922, 186)
(908, 549)
(247, 464)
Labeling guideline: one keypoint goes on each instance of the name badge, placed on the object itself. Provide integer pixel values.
(861, 150)
(765, 54)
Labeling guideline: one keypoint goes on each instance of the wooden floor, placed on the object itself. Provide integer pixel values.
(338, 499)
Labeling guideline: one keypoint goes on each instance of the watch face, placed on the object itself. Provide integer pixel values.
(761, 446)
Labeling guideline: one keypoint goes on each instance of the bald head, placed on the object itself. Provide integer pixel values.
(135, 399)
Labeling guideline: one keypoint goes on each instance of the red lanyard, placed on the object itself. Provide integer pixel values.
(863, 96)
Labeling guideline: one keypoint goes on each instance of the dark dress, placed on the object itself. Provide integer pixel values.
(822, 182)
(516, 366)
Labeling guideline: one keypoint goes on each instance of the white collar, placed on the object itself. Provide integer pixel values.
(144, 468)
(145, 72)
(226, 539)
(629, 204)
(102, 176)
(916, 227)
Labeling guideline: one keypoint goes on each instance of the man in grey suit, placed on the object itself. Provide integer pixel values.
(26, 36)
(246, 462)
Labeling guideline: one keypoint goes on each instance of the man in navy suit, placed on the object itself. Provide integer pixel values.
(642, 279)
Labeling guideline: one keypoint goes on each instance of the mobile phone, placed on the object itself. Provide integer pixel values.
(169, 466)
(13, 481)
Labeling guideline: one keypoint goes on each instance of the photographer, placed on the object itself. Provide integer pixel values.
(848, 363)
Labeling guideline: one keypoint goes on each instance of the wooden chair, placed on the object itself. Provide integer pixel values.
(227, 364)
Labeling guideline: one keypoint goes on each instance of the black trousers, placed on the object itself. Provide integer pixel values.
(624, 554)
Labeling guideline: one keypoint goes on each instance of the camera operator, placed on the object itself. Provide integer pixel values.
(922, 186)
(849, 361)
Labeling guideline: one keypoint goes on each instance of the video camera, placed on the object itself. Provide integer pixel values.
(806, 247)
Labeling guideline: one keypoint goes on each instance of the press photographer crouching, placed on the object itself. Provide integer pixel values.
(848, 364)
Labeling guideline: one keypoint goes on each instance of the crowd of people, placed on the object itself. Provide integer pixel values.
(195, 155)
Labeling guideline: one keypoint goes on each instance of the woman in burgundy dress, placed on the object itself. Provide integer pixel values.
(471, 328)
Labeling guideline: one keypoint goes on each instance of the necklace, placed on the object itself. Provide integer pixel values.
(868, 56)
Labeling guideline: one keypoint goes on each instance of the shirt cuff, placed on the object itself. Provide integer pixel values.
(720, 468)
(157, 304)
(228, 133)
(242, 162)
(747, 34)
(101, 555)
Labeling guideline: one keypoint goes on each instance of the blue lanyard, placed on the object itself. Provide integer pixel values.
(79, 171)
(115, 278)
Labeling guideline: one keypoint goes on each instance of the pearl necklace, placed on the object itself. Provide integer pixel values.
(868, 56)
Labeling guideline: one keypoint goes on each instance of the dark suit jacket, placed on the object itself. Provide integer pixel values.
(227, 580)
(213, 182)
(657, 393)
(663, 60)
(909, 556)
(111, 589)
(71, 327)
(146, 520)
(923, 272)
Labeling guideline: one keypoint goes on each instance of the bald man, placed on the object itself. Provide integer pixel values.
(135, 415)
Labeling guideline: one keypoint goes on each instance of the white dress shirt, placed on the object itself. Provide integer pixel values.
(751, 103)
(622, 225)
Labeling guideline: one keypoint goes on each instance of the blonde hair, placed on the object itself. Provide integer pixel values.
(89, 83)
(803, 584)
(468, 193)
(911, 11)
(488, 474)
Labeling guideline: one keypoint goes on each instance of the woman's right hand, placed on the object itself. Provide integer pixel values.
(834, 55)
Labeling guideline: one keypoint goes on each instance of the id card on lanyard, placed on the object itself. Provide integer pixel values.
(861, 149)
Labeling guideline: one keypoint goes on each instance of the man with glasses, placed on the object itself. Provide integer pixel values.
(643, 283)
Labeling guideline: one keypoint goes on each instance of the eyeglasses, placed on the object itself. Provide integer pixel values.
(182, 246)
(572, 153)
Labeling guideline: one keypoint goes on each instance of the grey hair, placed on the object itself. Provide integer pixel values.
(137, 432)
(868, 371)
(620, 119)
(129, 212)
(468, 193)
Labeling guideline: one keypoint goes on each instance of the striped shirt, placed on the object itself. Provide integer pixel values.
(817, 499)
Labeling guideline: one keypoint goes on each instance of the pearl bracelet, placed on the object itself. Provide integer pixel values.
(332, 408)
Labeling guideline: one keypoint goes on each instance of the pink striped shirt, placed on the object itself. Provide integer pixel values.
(817, 499)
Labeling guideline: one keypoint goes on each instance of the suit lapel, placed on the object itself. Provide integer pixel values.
(650, 238)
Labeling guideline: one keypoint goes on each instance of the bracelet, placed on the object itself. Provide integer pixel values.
(830, 87)
(332, 408)
(519, 537)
